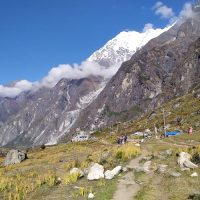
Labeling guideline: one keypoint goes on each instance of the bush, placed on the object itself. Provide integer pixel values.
(196, 158)
(42, 146)
(127, 152)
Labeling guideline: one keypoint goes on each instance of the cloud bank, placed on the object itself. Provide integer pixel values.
(75, 71)
(165, 12)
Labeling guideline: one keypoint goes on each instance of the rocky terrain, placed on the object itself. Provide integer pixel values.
(143, 168)
(48, 114)
(167, 67)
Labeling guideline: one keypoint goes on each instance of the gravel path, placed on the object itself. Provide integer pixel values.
(127, 187)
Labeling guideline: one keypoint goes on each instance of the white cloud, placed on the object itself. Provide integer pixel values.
(163, 11)
(9, 91)
(147, 27)
(76, 71)
(166, 12)
(187, 11)
(24, 85)
(20, 86)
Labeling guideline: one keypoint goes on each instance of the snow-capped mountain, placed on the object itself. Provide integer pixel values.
(123, 46)
(50, 113)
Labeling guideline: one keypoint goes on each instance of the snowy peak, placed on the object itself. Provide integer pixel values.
(123, 46)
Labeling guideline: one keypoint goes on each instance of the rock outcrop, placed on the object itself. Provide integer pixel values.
(167, 67)
(14, 157)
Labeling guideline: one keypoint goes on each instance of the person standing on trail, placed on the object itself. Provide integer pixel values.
(125, 138)
(190, 130)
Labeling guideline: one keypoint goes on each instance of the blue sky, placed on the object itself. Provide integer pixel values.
(36, 35)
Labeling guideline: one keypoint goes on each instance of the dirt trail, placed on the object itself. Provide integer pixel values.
(127, 187)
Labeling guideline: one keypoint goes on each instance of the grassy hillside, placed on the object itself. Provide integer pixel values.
(38, 176)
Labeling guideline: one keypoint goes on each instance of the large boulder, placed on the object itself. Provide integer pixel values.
(96, 172)
(14, 157)
(109, 174)
(184, 161)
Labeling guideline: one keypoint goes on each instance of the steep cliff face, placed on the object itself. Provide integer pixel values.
(166, 67)
(50, 113)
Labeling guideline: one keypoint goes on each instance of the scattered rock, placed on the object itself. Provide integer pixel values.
(109, 174)
(77, 171)
(104, 157)
(197, 124)
(124, 169)
(144, 168)
(152, 115)
(189, 164)
(184, 161)
(85, 171)
(137, 145)
(58, 180)
(174, 174)
(161, 157)
(129, 167)
(147, 158)
(194, 174)
(197, 94)
(95, 172)
(185, 169)
(147, 166)
(166, 152)
(14, 157)
(162, 168)
(90, 196)
(142, 140)
(176, 105)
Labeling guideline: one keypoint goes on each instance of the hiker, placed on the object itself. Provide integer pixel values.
(119, 140)
(190, 130)
(125, 138)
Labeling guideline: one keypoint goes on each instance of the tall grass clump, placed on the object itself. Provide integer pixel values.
(127, 151)
(71, 178)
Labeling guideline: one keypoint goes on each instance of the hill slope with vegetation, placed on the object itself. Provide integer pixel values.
(45, 174)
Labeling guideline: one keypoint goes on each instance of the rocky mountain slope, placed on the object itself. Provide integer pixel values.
(168, 66)
(46, 115)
